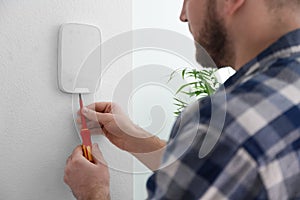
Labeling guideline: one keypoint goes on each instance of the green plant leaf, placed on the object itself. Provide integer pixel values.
(183, 73)
(184, 86)
(201, 83)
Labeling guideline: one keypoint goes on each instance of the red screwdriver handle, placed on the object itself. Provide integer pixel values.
(86, 144)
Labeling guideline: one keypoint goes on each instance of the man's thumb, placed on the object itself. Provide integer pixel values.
(89, 114)
(96, 116)
(97, 155)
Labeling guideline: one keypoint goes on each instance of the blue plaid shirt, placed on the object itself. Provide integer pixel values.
(257, 155)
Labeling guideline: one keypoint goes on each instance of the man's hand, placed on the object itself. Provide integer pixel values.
(107, 118)
(88, 181)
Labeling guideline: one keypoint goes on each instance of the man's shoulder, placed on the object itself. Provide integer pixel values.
(261, 112)
(265, 91)
(258, 109)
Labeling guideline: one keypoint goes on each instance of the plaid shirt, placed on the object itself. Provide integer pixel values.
(257, 155)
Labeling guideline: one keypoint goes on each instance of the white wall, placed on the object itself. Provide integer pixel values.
(148, 99)
(36, 125)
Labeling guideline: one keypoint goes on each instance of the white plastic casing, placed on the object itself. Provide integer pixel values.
(79, 66)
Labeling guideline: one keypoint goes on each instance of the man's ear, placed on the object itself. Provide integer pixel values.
(232, 6)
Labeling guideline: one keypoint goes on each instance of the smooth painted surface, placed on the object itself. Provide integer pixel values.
(36, 122)
(153, 103)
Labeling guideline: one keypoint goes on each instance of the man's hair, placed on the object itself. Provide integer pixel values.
(277, 4)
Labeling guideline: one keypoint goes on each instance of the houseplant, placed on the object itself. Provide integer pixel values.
(199, 84)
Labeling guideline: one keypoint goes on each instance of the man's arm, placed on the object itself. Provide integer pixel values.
(152, 152)
(108, 119)
(228, 172)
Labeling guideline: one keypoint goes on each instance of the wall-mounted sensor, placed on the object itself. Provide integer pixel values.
(79, 66)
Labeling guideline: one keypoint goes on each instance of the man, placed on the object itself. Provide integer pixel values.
(258, 153)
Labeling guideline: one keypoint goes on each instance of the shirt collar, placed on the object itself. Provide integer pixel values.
(284, 47)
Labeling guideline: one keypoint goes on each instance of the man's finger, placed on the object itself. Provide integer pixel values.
(92, 115)
(69, 159)
(96, 131)
(99, 106)
(92, 124)
(97, 155)
(77, 151)
(78, 120)
(105, 107)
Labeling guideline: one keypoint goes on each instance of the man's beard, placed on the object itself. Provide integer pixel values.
(215, 40)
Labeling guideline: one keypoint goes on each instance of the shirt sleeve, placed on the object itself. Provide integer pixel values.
(227, 172)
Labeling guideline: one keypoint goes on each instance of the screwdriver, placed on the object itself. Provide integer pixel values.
(85, 135)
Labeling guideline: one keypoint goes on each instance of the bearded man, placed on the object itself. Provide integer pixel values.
(254, 118)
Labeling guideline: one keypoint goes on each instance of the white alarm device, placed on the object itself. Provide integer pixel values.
(79, 66)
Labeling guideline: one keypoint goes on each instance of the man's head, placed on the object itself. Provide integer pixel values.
(235, 31)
